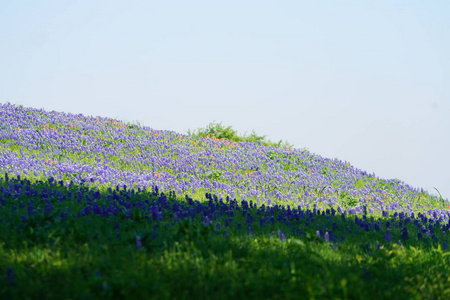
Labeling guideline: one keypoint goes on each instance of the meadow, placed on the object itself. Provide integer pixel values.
(93, 207)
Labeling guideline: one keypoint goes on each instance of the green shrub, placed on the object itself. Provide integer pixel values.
(220, 131)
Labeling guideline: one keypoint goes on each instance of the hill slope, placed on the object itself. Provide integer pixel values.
(104, 152)
(91, 207)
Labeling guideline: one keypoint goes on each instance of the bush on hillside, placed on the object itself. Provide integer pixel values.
(220, 131)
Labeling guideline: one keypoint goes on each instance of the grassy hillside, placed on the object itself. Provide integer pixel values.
(94, 207)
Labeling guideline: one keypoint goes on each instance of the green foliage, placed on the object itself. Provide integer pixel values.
(360, 184)
(89, 257)
(220, 131)
(347, 200)
(133, 125)
(441, 200)
(214, 175)
(217, 130)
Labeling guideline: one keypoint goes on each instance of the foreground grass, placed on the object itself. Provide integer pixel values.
(224, 268)
(63, 252)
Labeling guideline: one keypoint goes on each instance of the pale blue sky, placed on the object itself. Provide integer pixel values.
(363, 81)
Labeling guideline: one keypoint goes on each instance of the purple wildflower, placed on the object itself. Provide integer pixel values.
(138, 242)
(282, 237)
(155, 227)
(404, 234)
(388, 236)
(10, 275)
(332, 246)
(261, 222)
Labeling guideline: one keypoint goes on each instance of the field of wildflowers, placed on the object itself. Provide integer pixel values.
(92, 207)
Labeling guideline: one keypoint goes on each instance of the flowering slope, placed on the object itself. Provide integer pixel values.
(123, 211)
(105, 152)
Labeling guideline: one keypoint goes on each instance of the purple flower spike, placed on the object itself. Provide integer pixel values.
(282, 237)
(138, 242)
(10, 275)
(388, 236)
(404, 234)
(326, 237)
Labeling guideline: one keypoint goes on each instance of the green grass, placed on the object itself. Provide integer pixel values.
(240, 267)
(82, 257)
